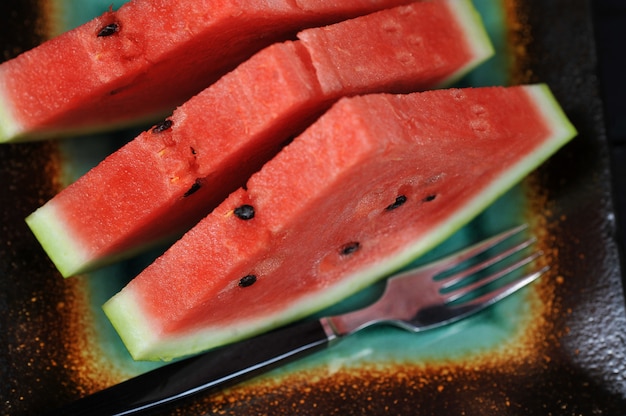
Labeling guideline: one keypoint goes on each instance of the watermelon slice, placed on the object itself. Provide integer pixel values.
(170, 177)
(141, 61)
(375, 182)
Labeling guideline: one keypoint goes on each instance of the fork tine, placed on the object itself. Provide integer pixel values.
(501, 292)
(458, 277)
(483, 282)
(459, 257)
(457, 312)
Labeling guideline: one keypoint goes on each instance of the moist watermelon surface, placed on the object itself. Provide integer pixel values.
(169, 177)
(336, 225)
(117, 69)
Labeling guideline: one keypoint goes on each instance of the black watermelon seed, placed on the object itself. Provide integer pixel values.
(162, 126)
(245, 212)
(247, 280)
(194, 188)
(193, 151)
(400, 200)
(350, 248)
(429, 198)
(109, 30)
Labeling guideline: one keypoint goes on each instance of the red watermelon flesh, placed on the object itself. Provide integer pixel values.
(328, 218)
(142, 60)
(168, 178)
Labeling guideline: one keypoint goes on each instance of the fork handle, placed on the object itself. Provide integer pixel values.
(211, 370)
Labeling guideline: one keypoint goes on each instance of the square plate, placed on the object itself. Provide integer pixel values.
(558, 349)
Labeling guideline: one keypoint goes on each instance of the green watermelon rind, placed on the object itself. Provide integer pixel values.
(56, 240)
(472, 24)
(11, 130)
(142, 343)
(64, 249)
(9, 127)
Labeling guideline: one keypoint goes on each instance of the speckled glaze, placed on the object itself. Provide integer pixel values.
(558, 348)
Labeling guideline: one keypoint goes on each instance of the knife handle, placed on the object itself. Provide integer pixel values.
(215, 369)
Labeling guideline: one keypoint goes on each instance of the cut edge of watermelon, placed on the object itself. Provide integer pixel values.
(63, 248)
(56, 240)
(10, 128)
(13, 131)
(143, 344)
(478, 40)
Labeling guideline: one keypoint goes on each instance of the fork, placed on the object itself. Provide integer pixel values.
(427, 297)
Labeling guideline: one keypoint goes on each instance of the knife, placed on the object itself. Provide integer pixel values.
(212, 370)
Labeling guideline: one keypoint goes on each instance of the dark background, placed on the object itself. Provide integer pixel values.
(610, 27)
